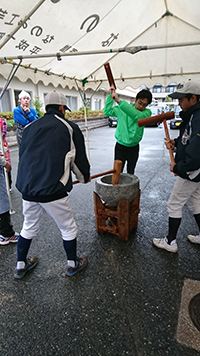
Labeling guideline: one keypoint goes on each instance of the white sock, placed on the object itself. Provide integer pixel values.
(70, 263)
(20, 265)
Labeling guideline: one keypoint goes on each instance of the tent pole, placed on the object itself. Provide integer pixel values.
(10, 77)
(128, 49)
(86, 124)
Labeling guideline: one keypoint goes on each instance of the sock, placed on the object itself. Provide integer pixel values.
(197, 218)
(174, 224)
(70, 249)
(20, 265)
(22, 248)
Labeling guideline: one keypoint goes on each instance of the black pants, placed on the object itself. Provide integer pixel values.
(129, 154)
(6, 229)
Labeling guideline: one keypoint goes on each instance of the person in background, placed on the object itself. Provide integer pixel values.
(3, 124)
(7, 234)
(23, 114)
(186, 189)
(128, 134)
(51, 148)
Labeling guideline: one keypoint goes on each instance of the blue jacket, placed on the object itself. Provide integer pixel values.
(188, 145)
(51, 148)
(19, 117)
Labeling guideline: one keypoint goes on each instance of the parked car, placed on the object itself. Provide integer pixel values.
(112, 121)
(175, 123)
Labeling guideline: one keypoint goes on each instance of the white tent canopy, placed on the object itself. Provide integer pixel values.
(64, 41)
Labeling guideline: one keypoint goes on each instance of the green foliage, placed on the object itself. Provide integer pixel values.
(74, 115)
(168, 99)
(7, 115)
(10, 123)
(38, 106)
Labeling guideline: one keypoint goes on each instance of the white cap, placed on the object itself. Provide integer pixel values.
(24, 94)
(55, 98)
(189, 87)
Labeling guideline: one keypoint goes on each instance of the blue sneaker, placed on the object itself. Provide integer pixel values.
(7, 240)
(31, 263)
(81, 263)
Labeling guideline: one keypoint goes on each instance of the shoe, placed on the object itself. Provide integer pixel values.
(7, 240)
(81, 263)
(195, 239)
(31, 263)
(163, 243)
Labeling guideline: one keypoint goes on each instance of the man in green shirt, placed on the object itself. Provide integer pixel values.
(128, 134)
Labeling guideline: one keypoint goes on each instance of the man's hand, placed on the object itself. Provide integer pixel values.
(26, 109)
(8, 167)
(112, 89)
(170, 144)
(172, 164)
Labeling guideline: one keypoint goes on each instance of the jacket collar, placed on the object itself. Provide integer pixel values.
(55, 111)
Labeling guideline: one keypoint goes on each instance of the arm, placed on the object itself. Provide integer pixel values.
(81, 166)
(191, 161)
(5, 164)
(19, 117)
(109, 110)
(32, 114)
(192, 158)
(130, 110)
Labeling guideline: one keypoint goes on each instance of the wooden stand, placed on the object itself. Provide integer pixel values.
(119, 220)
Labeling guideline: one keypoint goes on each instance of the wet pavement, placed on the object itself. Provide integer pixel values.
(132, 299)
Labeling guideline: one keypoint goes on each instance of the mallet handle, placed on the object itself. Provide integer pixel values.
(96, 175)
(168, 139)
(109, 74)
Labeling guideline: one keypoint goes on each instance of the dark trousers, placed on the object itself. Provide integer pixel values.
(6, 229)
(129, 154)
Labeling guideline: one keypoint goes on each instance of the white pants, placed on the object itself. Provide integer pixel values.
(60, 210)
(184, 192)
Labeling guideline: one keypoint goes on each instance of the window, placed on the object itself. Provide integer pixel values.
(72, 102)
(157, 88)
(97, 104)
(5, 104)
(170, 89)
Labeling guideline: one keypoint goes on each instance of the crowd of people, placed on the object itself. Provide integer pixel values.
(64, 148)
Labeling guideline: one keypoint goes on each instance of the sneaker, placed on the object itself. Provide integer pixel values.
(80, 264)
(195, 239)
(31, 263)
(163, 243)
(7, 240)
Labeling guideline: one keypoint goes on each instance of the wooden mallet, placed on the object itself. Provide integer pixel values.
(109, 74)
(116, 173)
(157, 118)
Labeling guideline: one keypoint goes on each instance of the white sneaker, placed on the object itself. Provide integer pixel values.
(195, 239)
(162, 243)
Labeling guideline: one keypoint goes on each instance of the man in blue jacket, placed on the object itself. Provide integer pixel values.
(51, 148)
(187, 166)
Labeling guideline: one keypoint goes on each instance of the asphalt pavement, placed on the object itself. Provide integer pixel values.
(133, 299)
